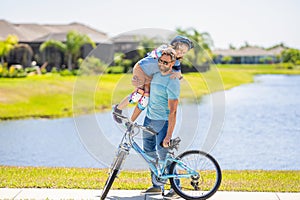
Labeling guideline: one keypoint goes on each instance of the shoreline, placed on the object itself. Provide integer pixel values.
(46, 106)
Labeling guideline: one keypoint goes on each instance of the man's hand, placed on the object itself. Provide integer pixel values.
(166, 142)
(176, 75)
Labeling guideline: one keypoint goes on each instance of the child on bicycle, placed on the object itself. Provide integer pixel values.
(143, 71)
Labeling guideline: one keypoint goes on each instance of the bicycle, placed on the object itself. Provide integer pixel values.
(199, 173)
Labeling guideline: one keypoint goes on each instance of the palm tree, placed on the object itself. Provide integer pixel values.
(145, 45)
(56, 57)
(201, 52)
(22, 54)
(71, 47)
(74, 42)
(7, 45)
(53, 43)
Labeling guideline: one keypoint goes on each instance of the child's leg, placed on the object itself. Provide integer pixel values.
(143, 102)
(132, 98)
(124, 103)
(140, 107)
(135, 113)
(138, 80)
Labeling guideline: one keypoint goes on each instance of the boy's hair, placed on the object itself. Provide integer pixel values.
(170, 52)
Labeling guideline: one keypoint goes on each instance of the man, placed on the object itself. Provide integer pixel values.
(161, 112)
(143, 71)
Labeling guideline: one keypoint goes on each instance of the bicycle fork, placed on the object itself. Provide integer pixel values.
(123, 151)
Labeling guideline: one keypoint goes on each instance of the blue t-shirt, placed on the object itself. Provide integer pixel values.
(149, 65)
(162, 89)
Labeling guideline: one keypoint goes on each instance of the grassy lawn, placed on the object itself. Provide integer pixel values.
(245, 180)
(53, 96)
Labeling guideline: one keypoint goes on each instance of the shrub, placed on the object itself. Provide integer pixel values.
(12, 72)
(76, 72)
(115, 70)
(43, 71)
(54, 70)
(286, 65)
(33, 70)
(66, 72)
(15, 72)
(3, 71)
(21, 73)
(226, 59)
(266, 60)
(290, 55)
(91, 65)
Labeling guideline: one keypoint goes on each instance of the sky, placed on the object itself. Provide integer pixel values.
(258, 22)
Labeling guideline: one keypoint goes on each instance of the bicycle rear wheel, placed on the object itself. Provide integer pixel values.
(113, 173)
(201, 186)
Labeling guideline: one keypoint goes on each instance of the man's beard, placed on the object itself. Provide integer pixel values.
(164, 69)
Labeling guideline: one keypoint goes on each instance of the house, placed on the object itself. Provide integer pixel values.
(35, 34)
(128, 43)
(248, 55)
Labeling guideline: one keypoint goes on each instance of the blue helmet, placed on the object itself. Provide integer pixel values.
(182, 39)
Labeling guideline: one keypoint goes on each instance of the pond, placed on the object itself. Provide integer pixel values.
(260, 130)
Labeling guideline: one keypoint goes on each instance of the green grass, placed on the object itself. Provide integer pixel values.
(75, 178)
(37, 96)
(53, 96)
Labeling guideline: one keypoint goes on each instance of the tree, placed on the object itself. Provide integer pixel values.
(226, 59)
(91, 65)
(291, 55)
(232, 47)
(120, 60)
(71, 47)
(246, 45)
(201, 52)
(145, 45)
(53, 43)
(53, 51)
(7, 45)
(277, 45)
(21, 54)
(74, 42)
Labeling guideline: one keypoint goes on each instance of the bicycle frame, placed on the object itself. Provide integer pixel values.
(160, 166)
(172, 168)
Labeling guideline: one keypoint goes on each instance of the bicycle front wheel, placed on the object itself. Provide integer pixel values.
(113, 173)
(201, 185)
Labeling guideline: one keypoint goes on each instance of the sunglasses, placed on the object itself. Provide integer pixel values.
(163, 62)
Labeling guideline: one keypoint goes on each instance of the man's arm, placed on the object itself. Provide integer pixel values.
(171, 121)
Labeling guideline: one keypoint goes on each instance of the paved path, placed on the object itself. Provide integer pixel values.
(8, 193)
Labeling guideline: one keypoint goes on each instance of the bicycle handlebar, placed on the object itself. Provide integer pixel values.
(174, 143)
(128, 122)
